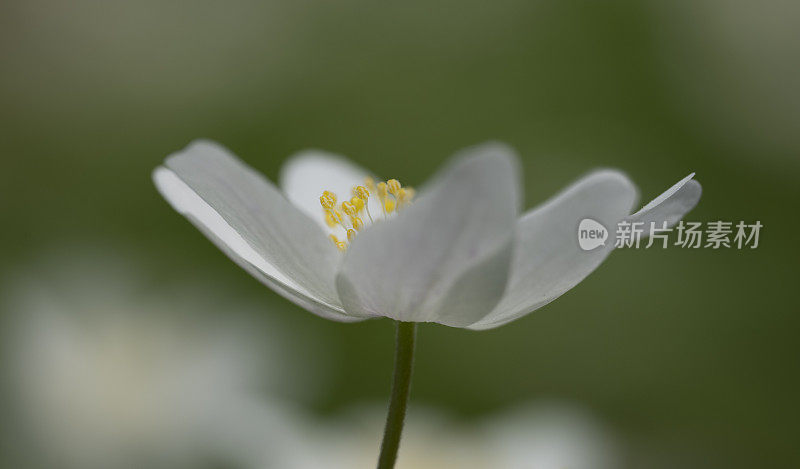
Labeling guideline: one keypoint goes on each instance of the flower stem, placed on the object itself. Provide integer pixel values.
(401, 385)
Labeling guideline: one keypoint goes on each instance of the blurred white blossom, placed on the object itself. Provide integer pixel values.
(107, 374)
(104, 374)
(548, 435)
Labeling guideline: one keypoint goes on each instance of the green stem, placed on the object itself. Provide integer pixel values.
(401, 386)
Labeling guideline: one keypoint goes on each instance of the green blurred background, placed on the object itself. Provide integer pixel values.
(690, 355)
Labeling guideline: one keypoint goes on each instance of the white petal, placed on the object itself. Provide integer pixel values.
(286, 289)
(670, 206)
(445, 258)
(542, 273)
(246, 216)
(307, 174)
(547, 259)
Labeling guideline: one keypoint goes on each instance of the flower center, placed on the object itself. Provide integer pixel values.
(353, 215)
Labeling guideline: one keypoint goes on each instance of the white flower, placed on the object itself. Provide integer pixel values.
(546, 435)
(104, 375)
(459, 255)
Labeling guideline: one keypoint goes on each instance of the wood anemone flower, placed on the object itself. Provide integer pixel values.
(459, 254)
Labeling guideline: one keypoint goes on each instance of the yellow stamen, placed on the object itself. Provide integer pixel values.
(327, 200)
(339, 244)
(349, 209)
(370, 183)
(394, 186)
(392, 196)
(358, 203)
(382, 190)
(361, 192)
(330, 219)
(338, 214)
(404, 195)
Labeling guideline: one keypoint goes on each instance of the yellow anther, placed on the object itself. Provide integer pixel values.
(404, 195)
(348, 214)
(394, 186)
(339, 244)
(358, 203)
(327, 199)
(349, 209)
(361, 192)
(382, 190)
(330, 219)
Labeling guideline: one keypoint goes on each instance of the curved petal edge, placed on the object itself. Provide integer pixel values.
(253, 224)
